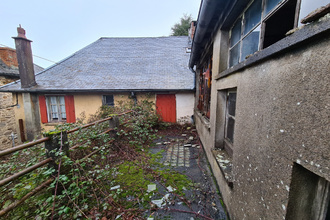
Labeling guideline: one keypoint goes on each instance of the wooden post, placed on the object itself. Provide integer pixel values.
(21, 130)
(58, 141)
(113, 123)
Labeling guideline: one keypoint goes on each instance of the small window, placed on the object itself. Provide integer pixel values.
(56, 108)
(108, 100)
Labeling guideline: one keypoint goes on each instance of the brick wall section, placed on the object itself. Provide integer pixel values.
(7, 116)
(8, 56)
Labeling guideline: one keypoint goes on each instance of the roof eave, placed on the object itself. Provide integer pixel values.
(213, 14)
(92, 90)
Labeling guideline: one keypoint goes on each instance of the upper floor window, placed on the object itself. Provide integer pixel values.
(262, 23)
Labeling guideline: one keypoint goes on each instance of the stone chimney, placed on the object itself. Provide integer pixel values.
(8, 56)
(24, 58)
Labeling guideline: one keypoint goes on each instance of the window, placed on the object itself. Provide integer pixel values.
(230, 116)
(230, 120)
(205, 80)
(108, 100)
(57, 108)
(309, 195)
(263, 23)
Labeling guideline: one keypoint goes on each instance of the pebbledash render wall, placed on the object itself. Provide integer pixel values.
(7, 122)
(282, 124)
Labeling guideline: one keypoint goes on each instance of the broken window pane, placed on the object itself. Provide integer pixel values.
(250, 43)
(252, 16)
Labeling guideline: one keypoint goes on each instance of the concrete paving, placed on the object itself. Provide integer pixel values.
(181, 152)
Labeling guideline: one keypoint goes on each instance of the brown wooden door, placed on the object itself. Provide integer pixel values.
(166, 107)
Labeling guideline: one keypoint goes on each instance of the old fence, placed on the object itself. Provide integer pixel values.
(53, 142)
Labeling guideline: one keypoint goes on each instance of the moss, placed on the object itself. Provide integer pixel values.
(51, 133)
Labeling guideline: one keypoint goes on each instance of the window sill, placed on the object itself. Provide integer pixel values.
(53, 123)
(205, 121)
(225, 164)
(300, 36)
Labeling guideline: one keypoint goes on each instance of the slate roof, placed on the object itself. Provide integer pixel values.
(13, 72)
(119, 64)
(7, 71)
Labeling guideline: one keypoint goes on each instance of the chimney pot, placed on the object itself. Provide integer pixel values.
(21, 32)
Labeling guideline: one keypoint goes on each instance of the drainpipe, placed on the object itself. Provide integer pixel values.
(133, 96)
(194, 72)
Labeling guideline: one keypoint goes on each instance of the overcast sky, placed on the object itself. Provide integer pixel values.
(60, 28)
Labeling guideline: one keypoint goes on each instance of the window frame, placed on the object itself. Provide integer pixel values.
(104, 100)
(229, 116)
(260, 25)
(228, 143)
(204, 96)
(58, 106)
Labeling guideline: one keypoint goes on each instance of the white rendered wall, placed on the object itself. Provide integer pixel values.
(184, 107)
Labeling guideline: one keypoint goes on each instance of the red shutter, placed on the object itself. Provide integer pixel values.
(69, 108)
(43, 109)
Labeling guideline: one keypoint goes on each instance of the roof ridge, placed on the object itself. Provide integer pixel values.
(141, 37)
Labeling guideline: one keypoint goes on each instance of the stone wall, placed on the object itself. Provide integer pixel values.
(7, 116)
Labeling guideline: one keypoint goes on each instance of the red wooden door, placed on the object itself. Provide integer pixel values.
(166, 107)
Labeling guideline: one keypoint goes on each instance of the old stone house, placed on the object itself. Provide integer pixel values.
(263, 105)
(105, 73)
(8, 73)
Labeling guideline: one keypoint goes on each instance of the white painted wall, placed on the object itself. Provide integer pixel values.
(184, 107)
(307, 6)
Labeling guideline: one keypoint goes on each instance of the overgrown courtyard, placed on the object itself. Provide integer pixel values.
(143, 169)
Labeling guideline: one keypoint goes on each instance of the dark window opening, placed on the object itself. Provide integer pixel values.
(277, 25)
(108, 100)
